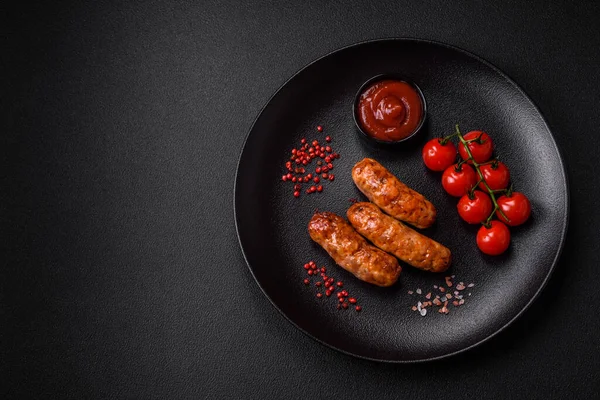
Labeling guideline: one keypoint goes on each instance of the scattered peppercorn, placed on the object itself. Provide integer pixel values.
(303, 156)
(331, 285)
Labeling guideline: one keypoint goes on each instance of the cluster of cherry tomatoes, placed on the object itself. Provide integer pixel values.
(482, 183)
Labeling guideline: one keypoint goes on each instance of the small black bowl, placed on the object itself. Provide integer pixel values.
(370, 82)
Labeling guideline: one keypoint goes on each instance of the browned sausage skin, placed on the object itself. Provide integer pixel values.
(398, 239)
(391, 195)
(351, 251)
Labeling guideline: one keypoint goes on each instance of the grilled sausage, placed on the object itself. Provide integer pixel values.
(391, 195)
(351, 251)
(398, 239)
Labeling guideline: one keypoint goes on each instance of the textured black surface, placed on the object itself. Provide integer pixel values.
(459, 88)
(121, 129)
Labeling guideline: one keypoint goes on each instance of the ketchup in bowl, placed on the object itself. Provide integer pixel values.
(390, 110)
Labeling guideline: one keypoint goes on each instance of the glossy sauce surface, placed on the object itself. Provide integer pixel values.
(390, 110)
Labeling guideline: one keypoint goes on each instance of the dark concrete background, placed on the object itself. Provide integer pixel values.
(121, 129)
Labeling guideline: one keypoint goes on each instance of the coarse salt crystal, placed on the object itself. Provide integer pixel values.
(446, 295)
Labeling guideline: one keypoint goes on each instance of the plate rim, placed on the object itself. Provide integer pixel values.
(564, 230)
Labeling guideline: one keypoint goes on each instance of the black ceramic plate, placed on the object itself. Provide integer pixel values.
(459, 88)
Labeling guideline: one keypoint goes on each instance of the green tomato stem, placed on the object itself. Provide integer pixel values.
(481, 178)
(446, 139)
(487, 162)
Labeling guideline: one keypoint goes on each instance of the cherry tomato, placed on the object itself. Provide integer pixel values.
(438, 156)
(457, 183)
(481, 152)
(493, 240)
(496, 178)
(475, 210)
(516, 207)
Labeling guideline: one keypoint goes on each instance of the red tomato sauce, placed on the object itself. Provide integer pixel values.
(390, 110)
